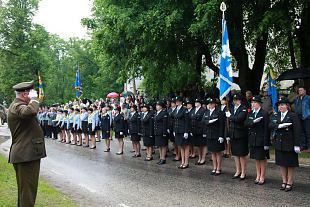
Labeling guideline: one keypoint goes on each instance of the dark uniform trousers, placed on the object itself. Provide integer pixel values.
(27, 176)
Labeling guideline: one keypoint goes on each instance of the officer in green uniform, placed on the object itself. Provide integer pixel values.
(28, 145)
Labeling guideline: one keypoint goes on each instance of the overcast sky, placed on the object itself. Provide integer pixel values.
(63, 17)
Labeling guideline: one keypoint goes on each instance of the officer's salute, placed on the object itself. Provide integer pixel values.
(28, 145)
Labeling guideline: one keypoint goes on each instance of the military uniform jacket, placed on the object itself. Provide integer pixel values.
(237, 129)
(160, 123)
(119, 123)
(196, 125)
(27, 135)
(134, 122)
(147, 125)
(105, 122)
(171, 113)
(286, 138)
(258, 133)
(180, 123)
(216, 129)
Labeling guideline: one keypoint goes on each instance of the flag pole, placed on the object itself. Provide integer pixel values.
(227, 126)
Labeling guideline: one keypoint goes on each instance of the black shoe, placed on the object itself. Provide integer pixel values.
(119, 153)
(288, 187)
(107, 150)
(132, 151)
(202, 163)
(139, 155)
(180, 167)
(283, 186)
(243, 178)
(184, 166)
(213, 172)
(79, 145)
(93, 147)
(256, 182)
(158, 162)
(162, 162)
(86, 146)
(236, 176)
(261, 183)
(68, 142)
(218, 173)
(148, 159)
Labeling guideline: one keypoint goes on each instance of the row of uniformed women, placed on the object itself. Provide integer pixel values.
(246, 132)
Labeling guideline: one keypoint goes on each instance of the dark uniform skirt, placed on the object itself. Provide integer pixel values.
(118, 136)
(161, 141)
(258, 153)
(105, 134)
(90, 129)
(64, 127)
(180, 140)
(286, 159)
(198, 140)
(148, 141)
(135, 137)
(84, 126)
(71, 128)
(215, 146)
(77, 130)
(239, 147)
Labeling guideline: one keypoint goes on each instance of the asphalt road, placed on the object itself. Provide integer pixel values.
(96, 178)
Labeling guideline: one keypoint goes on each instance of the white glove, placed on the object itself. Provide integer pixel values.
(213, 120)
(204, 135)
(121, 133)
(257, 119)
(266, 147)
(33, 94)
(297, 149)
(185, 135)
(173, 133)
(284, 125)
(227, 139)
(128, 131)
(191, 134)
(221, 140)
(168, 131)
(228, 114)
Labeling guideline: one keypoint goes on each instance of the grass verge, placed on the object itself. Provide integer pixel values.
(48, 196)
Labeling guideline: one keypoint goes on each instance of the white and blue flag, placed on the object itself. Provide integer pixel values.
(226, 73)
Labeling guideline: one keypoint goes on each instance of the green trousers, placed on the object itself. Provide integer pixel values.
(27, 177)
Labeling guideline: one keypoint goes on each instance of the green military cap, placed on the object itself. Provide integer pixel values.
(24, 86)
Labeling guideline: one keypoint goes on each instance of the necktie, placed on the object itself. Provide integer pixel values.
(255, 114)
(282, 116)
(235, 109)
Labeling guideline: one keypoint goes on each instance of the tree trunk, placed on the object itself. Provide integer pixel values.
(305, 39)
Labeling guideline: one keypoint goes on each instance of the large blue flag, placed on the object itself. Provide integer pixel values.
(226, 77)
(78, 84)
(272, 89)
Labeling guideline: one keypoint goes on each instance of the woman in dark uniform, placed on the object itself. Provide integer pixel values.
(92, 127)
(286, 142)
(160, 131)
(77, 126)
(257, 123)
(147, 131)
(134, 125)
(119, 128)
(189, 110)
(180, 130)
(171, 112)
(105, 125)
(237, 136)
(196, 132)
(213, 131)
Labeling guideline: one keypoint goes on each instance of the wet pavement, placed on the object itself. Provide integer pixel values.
(97, 178)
